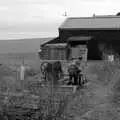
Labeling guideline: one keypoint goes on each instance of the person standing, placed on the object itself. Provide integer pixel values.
(78, 70)
(73, 73)
(22, 72)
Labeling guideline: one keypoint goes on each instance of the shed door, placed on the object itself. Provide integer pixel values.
(75, 51)
(79, 50)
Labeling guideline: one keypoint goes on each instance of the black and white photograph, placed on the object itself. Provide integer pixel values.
(59, 59)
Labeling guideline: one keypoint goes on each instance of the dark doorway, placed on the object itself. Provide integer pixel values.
(93, 50)
(76, 49)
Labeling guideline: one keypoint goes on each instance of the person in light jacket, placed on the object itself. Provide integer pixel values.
(73, 71)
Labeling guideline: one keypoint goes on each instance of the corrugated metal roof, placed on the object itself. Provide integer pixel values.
(80, 38)
(57, 45)
(51, 41)
(100, 22)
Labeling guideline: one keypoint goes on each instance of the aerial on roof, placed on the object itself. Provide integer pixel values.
(95, 22)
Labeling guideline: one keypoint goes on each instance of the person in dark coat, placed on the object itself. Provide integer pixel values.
(78, 63)
(57, 71)
(52, 71)
(57, 67)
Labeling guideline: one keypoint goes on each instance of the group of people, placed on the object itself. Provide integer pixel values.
(75, 72)
(55, 70)
(52, 71)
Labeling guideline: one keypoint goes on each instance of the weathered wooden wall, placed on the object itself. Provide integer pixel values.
(77, 51)
(53, 53)
(44, 54)
(109, 38)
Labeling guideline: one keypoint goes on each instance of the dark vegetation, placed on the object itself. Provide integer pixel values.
(29, 99)
(33, 100)
(100, 99)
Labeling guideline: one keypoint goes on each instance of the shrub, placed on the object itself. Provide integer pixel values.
(50, 107)
(30, 72)
(104, 71)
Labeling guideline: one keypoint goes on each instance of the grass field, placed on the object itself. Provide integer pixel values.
(27, 93)
(98, 100)
(16, 59)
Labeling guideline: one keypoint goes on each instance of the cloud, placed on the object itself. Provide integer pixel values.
(34, 1)
(3, 8)
(15, 13)
(88, 8)
(47, 15)
(33, 10)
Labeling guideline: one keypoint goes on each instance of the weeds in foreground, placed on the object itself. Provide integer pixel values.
(32, 107)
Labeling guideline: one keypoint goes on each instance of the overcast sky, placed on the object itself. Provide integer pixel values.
(41, 18)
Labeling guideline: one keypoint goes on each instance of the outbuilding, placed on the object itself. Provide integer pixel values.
(93, 38)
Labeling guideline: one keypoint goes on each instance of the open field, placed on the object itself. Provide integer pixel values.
(27, 94)
(16, 59)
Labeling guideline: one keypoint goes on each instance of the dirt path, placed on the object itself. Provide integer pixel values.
(93, 102)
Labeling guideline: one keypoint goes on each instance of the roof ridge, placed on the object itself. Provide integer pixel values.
(94, 22)
(63, 22)
(94, 17)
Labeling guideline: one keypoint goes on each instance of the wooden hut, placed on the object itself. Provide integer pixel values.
(93, 38)
(53, 50)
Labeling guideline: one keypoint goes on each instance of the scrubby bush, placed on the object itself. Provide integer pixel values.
(50, 107)
(109, 74)
(31, 72)
(104, 72)
(5, 71)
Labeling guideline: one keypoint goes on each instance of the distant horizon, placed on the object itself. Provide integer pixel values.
(31, 45)
(27, 38)
(20, 37)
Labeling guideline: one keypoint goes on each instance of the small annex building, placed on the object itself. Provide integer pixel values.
(93, 38)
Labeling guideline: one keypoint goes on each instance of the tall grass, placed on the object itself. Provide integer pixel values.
(48, 108)
(108, 74)
(30, 93)
(105, 71)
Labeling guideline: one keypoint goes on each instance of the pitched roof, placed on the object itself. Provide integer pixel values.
(80, 38)
(58, 45)
(96, 22)
(51, 41)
